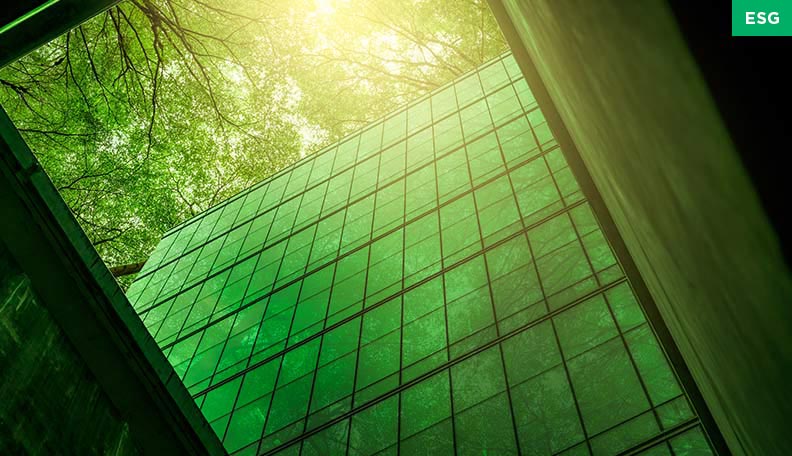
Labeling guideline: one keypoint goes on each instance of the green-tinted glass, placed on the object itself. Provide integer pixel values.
(433, 284)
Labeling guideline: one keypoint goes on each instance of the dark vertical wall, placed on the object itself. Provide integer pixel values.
(644, 124)
(86, 308)
(749, 81)
(44, 26)
(51, 404)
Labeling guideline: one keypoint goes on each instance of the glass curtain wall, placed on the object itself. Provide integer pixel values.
(433, 284)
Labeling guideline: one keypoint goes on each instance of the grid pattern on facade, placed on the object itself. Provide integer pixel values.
(434, 284)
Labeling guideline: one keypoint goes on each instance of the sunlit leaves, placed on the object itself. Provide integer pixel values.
(159, 109)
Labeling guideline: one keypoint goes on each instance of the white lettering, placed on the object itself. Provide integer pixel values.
(761, 17)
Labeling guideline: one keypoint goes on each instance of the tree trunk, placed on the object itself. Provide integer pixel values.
(127, 269)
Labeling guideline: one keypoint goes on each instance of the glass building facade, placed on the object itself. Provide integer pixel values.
(433, 284)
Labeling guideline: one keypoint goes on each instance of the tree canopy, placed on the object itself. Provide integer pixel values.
(158, 109)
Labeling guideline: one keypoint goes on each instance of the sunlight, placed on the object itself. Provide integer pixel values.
(324, 8)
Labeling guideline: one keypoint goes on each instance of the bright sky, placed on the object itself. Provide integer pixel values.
(324, 8)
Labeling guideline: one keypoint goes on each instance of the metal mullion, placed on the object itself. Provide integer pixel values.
(604, 431)
(437, 370)
(441, 276)
(165, 255)
(288, 232)
(184, 252)
(300, 279)
(265, 246)
(286, 254)
(236, 396)
(563, 246)
(664, 437)
(426, 213)
(197, 218)
(233, 227)
(266, 296)
(607, 302)
(292, 231)
(173, 261)
(443, 269)
(228, 337)
(236, 261)
(586, 436)
(210, 322)
(260, 326)
(161, 322)
(294, 312)
(260, 203)
(489, 279)
(324, 200)
(611, 232)
(187, 250)
(240, 194)
(222, 215)
(552, 321)
(157, 286)
(390, 231)
(302, 194)
(248, 367)
(305, 188)
(370, 238)
(404, 262)
(614, 426)
(615, 322)
(280, 369)
(365, 297)
(202, 329)
(671, 448)
(355, 163)
(560, 349)
(328, 148)
(412, 286)
(230, 266)
(321, 338)
(622, 334)
(329, 211)
(338, 255)
(385, 300)
(542, 155)
(192, 267)
(327, 311)
(318, 356)
(652, 407)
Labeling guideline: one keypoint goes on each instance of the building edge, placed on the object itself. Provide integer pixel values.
(78, 291)
(695, 301)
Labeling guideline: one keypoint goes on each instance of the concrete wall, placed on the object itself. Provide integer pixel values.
(645, 126)
(51, 404)
(91, 313)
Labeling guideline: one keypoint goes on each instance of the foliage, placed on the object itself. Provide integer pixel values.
(158, 109)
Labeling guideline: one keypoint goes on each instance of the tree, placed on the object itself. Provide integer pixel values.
(158, 109)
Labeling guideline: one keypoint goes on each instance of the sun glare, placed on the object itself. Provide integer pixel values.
(324, 8)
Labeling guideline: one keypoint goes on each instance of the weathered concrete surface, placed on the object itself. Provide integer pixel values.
(646, 128)
(79, 295)
(51, 402)
(47, 25)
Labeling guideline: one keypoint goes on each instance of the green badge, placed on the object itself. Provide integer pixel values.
(761, 17)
